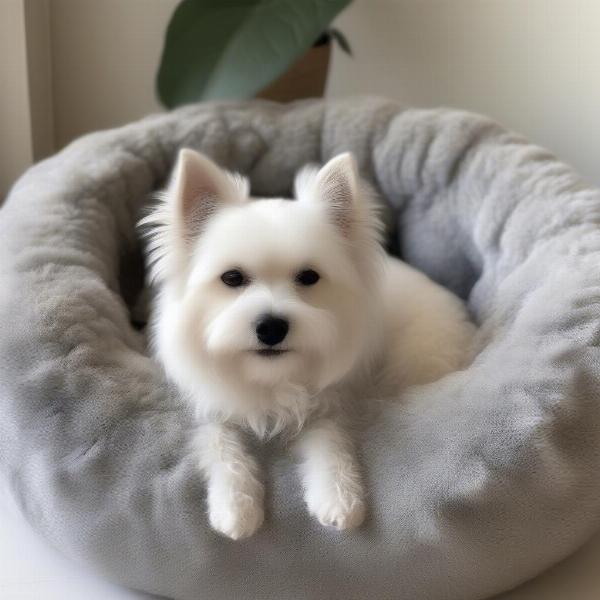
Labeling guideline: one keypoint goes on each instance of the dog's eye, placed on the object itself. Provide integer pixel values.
(307, 277)
(233, 278)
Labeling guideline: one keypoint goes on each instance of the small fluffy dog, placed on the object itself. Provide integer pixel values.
(276, 316)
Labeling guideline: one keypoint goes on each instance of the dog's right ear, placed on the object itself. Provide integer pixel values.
(199, 187)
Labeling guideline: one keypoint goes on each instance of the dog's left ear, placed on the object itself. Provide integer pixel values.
(338, 185)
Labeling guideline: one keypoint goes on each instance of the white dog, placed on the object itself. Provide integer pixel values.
(275, 316)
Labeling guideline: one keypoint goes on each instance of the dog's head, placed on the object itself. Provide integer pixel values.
(264, 292)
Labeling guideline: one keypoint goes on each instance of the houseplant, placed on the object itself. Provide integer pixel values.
(238, 49)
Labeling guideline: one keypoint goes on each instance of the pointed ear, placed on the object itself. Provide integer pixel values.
(338, 185)
(199, 187)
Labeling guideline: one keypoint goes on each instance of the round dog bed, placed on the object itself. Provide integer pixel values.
(477, 482)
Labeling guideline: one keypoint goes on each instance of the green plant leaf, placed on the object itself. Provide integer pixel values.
(341, 39)
(234, 48)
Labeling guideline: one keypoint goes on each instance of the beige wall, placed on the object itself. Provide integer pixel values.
(15, 132)
(105, 55)
(532, 64)
(26, 120)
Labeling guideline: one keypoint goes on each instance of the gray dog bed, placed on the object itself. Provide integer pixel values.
(479, 482)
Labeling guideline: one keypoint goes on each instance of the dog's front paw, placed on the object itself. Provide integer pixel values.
(337, 507)
(236, 514)
(235, 521)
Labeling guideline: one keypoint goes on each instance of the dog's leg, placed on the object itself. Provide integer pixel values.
(333, 488)
(235, 494)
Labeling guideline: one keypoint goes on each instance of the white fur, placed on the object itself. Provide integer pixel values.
(368, 328)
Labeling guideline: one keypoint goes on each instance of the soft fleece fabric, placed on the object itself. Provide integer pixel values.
(476, 482)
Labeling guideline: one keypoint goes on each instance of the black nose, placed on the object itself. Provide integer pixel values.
(271, 330)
